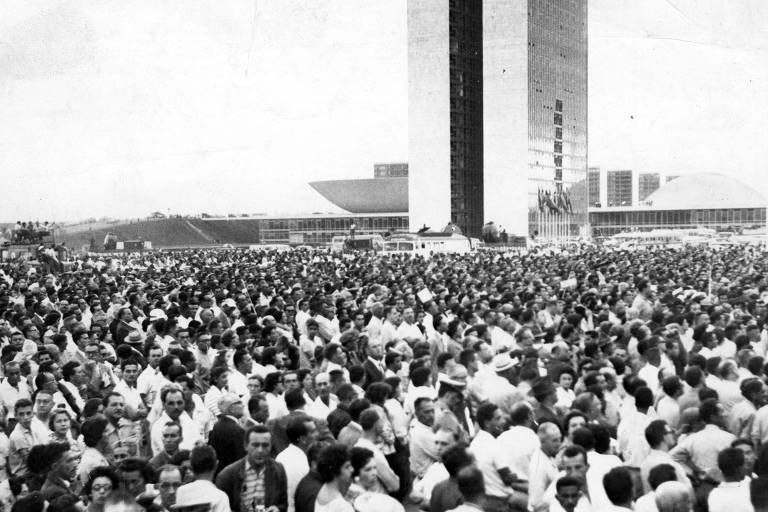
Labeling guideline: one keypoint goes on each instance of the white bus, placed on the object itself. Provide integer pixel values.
(428, 243)
(662, 237)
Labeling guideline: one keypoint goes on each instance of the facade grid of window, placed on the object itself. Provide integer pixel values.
(608, 223)
(557, 96)
(321, 230)
(593, 187)
(619, 185)
(465, 20)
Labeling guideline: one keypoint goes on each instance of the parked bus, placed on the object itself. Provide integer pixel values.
(427, 243)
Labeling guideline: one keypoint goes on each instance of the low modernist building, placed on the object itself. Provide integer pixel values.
(694, 201)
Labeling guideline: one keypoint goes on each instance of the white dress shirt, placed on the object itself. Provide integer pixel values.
(519, 443)
(296, 465)
(490, 459)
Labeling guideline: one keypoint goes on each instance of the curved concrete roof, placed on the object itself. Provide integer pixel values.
(382, 195)
(705, 190)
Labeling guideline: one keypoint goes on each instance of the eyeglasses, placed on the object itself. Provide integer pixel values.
(170, 485)
(102, 487)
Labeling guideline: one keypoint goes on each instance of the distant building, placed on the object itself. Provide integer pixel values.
(670, 178)
(693, 201)
(648, 183)
(399, 170)
(593, 186)
(619, 184)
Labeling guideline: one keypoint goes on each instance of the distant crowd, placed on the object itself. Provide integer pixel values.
(575, 379)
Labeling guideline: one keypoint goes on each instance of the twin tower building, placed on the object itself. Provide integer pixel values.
(497, 100)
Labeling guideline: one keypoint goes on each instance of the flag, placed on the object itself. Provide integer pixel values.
(551, 204)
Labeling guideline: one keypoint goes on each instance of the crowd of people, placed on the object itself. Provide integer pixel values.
(30, 232)
(580, 379)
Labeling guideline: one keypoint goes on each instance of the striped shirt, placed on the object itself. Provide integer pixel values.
(253, 488)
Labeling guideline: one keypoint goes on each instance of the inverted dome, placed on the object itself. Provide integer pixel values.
(705, 191)
(383, 195)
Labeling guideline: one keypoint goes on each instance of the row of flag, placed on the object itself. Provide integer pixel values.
(556, 202)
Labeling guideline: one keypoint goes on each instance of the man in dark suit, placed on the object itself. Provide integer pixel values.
(227, 435)
(256, 480)
(374, 366)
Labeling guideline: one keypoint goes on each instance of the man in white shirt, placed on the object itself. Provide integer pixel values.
(127, 387)
(492, 459)
(376, 323)
(325, 401)
(203, 463)
(408, 330)
(519, 441)
(150, 375)
(172, 399)
(389, 327)
(543, 467)
(661, 438)
(238, 377)
(732, 495)
(301, 431)
(13, 388)
(423, 451)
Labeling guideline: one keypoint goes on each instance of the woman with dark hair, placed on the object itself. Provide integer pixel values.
(95, 446)
(99, 485)
(335, 471)
(60, 424)
(365, 477)
(565, 395)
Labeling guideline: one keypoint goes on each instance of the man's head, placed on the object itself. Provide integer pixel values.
(673, 497)
(323, 384)
(203, 460)
(173, 401)
(172, 436)
(375, 349)
(490, 418)
(63, 461)
(568, 492)
(44, 402)
(574, 462)
(231, 405)
(619, 487)
(443, 439)
(731, 464)
(12, 372)
(550, 438)
(425, 410)
(135, 473)
(168, 481)
(258, 444)
(471, 484)
(301, 431)
(114, 406)
(131, 369)
(659, 435)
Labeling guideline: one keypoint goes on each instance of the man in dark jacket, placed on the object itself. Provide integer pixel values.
(227, 435)
(63, 471)
(256, 479)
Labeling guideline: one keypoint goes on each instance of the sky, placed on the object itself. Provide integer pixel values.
(120, 109)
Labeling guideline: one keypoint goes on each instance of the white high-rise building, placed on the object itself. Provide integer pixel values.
(498, 114)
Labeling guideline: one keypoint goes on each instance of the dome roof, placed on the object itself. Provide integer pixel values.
(378, 195)
(705, 191)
